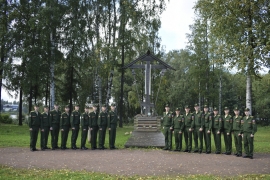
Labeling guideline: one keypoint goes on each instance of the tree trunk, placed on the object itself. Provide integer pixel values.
(248, 93)
(122, 89)
(70, 90)
(30, 98)
(20, 107)
(52, 84)
(220, 94)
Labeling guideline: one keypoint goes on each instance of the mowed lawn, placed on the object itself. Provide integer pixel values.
(19, 136)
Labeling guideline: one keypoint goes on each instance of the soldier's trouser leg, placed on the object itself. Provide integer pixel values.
(200, 133)
(207, 139)
(54, 135)
(226, 140)
(189, 133)
(47, 131)
(238, 142)
(94, 132)
(186, 138)
(42, 139)
(248, 144)
(217, 138)
(195, 136)
(230, 143)
(112, 137)
(166, 135)
(84, 135)
(33, 137)
(101, 137)
(74, 136)
(64, 136)
(176, 138)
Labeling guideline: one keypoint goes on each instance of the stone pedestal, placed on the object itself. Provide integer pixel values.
(146, 133)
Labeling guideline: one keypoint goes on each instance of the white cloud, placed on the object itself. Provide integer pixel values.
(175, 20)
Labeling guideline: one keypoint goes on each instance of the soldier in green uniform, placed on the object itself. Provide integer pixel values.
(188, 128)
(178, 127)
(167, 127)
(55, 116)
(93, 123)
(217, 126)
(85, 127)
(112, 124)
(75, 126)
(34, 125)
(198, 129)
(207, 116)
(237, 132)
(65, 125)
(227, 119)
(45, 128)
(249, 128)
(102, 124)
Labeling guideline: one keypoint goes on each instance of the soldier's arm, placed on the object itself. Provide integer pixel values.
(202, 121)
(90, 120)
(192, 121)
(41, 121)
(61, 122)
(231, 124)
(99, 121)
(71, 120)
(30, 120)
(109, 120)
(82, 120)
(220, 123)
(211, 117)
(254, 126)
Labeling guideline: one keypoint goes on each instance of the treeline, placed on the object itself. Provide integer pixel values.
(69, 50)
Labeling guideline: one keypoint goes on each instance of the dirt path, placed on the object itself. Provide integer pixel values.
(136, 162)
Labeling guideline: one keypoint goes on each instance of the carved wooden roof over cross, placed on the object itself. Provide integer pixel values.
(148, 57)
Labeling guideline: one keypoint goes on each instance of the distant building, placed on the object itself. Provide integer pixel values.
(10, 107)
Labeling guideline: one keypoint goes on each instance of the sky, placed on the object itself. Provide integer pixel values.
(175, 21)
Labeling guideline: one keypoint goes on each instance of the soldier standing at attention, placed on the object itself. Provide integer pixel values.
(198, 130)
(112, 124)
(217, 126)
(85, 127)
(55, 116)
(189, 125)
(237, 132)
(207, 129)
(167, 127)
(45, 128)
(249, 128)
(34, 125)
(178, 126)
(93, 123)
(75, 126)
(65, 125)
(227, 131)
(102, 124)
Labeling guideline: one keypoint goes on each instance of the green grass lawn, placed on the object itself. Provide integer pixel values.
(19, 136)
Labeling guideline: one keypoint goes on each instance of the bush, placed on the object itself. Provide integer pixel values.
(5, 118)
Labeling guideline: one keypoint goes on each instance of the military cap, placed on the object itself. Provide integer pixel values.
(167, 105)
(177, 109)
(103, 105)
(236, 109)
(56, 103)
(226, 108)
(196, 105)
(45, 106)
(67, 106)
(36, 105)
(113, 104)
(215, 109)
(77, 105)
(187, 106)
(205, 106)
(247, 109)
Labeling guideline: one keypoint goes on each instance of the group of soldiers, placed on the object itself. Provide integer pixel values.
(55, 122)
(201, 125)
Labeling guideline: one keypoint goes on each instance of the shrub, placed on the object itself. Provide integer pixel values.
(5, 118)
